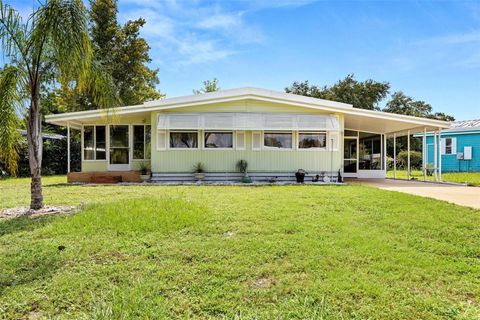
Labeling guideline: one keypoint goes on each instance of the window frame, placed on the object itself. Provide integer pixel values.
(183, 131)
(204, 146)
(144, 125)
(312, 132)
(267, 148)
(94, 142)
(446, 146)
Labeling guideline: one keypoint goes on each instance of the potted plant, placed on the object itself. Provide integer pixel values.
(242, 167)
(144, 171)
(300, 175)
(199, 171)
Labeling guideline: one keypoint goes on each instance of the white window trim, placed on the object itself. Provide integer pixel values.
(311, 132)
(95, 143)
(453, 146)
(199, 139)
(266, 148)
(234, 140)
(133, 125)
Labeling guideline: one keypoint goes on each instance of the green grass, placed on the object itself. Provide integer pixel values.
(270, 252)
(470, 178)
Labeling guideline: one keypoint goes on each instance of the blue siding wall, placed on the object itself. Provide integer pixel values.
(450, 162)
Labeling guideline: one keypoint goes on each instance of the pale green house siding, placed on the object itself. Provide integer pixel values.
(170, 161)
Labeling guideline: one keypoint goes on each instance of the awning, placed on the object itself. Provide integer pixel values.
(247, 121)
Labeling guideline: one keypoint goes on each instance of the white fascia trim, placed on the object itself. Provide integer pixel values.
(294, 100)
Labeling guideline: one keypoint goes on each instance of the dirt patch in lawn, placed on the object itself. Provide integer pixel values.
(25, 211)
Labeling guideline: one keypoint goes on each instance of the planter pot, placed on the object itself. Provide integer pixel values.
(300, 176)
(145, 177)
(199, 176)
(246, 179)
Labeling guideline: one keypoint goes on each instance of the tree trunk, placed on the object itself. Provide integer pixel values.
(35, 144)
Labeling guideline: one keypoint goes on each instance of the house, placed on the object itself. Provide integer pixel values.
(276, 133)
(460, 147)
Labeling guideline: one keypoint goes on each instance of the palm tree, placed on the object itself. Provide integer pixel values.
(55, 34)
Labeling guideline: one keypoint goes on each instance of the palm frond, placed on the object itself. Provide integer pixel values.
(9, 121)
(13, 33)
(63, 27)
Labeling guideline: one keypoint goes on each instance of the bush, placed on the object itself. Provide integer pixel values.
(54, 158)
(415, 159)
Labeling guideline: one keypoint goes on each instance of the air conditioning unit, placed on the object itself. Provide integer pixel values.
(467, 153)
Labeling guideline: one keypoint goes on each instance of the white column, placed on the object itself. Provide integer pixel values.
(408, 156)
(440, 154)
(394, 156)
(435, 155)
(68, 147)
(425, 152)
(385, 153)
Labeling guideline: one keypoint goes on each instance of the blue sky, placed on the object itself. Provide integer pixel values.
(428, 49)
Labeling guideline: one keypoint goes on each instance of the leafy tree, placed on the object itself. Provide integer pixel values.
(364, 95)
(403, 104)
(55, 35)
(208, 86)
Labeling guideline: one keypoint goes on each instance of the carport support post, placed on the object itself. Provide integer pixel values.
(385, 153)
(425, 151)
(394, 156)
(68, 146)
(440, 155)
(435, 155)
(408, 155)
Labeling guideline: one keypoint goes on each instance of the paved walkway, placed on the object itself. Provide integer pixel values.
(462, 195)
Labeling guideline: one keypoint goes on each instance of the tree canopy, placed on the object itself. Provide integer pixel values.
(208, 86)
(368, 94)
(361, 94)
(122, 53)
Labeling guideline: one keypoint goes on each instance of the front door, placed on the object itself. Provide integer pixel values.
(119, 148)
(350, 157)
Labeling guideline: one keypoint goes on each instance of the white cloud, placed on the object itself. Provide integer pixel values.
(185, 32)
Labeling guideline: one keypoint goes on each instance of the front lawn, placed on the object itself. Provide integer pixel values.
(243, 252)
(470, 178)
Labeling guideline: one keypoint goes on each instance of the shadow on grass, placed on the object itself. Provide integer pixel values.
(23, 223)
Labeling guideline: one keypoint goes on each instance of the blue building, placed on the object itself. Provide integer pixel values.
(460, 147)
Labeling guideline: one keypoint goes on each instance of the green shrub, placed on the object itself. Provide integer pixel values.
(415, 159)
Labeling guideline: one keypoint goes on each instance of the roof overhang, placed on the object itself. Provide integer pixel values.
(355, 119)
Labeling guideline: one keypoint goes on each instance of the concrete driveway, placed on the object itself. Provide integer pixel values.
(458, 194)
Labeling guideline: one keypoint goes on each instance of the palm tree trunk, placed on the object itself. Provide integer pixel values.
(35, 143)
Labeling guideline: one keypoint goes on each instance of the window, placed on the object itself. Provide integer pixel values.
(141, 142)
(279, 140)
(215, 139)
(94, 145)
(448, 145)
(309, 140)
(184, 140)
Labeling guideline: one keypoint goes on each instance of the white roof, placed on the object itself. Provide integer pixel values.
(355, 118)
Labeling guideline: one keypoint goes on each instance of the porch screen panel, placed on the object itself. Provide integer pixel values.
(88, 143)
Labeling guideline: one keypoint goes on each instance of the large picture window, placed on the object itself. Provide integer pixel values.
(141, 142)
(214, 139)
(278, 140)
(311, 140)
(94, 143)
(183, 140)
